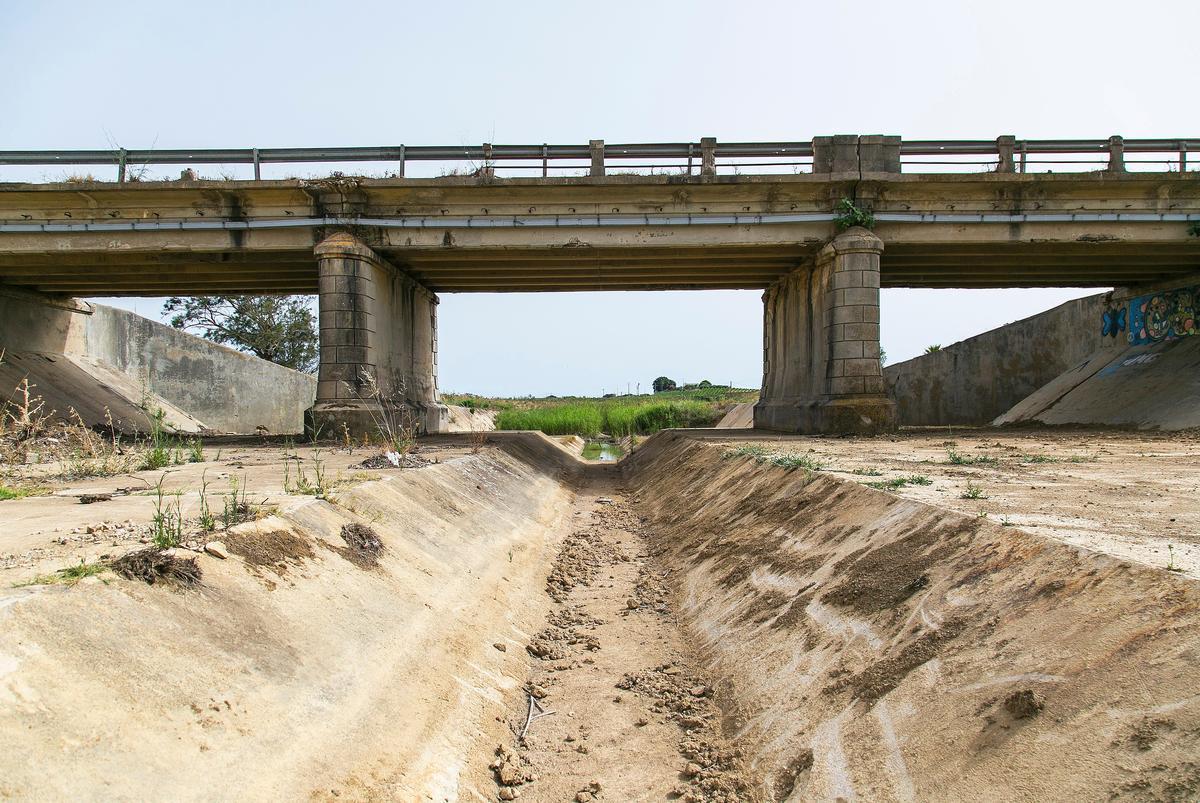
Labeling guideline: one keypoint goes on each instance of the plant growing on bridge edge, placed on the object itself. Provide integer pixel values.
(1194, 228)
(848, 216)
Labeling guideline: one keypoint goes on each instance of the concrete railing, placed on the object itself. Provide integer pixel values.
(707, 157)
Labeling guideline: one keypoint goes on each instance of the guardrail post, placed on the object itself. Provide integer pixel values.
(1004, 147)
(400, 160)
(257, 166)
(1116, 154)
(708, 156)
(1182, 156)
(836, 154)
(122, 159)
(596, 146)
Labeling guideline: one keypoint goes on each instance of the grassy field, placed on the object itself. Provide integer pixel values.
(617, 416)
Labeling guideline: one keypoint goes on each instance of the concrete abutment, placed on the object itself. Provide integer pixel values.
(821, 368)
(378, 333)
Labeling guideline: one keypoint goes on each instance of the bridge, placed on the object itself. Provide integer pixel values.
(377, 251)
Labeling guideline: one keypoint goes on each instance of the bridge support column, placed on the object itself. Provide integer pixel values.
(821, 369)
(378, 330)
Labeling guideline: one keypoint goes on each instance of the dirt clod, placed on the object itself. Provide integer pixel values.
(1024, 704)
(276, 550)
(158, 566)
(364, 545)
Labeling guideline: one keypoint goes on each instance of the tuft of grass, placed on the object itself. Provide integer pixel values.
(867, 472)
(896, 483)
(317, 484)
(1083, 458)
(748, 450)
(959, 459)
(67, 576)
(973, 492)
(788, 460)
(1038, 458)
(21, 492)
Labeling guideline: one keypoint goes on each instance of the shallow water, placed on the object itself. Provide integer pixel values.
(602, 451)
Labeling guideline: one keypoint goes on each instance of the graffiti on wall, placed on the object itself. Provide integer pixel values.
(1163, 316)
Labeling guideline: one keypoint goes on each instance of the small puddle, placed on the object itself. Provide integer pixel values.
(603, 451)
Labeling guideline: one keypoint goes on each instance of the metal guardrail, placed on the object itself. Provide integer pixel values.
(1004, 154)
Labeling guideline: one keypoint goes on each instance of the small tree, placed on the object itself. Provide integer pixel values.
(663, 383)
(933, 348)
(276, 328)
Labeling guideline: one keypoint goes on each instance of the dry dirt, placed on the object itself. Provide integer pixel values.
(1127, 494)
(629, 714)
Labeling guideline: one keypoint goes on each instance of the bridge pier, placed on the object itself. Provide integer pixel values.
(378, 332)
(821, 368)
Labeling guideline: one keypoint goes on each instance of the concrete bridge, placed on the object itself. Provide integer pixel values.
(378, 251)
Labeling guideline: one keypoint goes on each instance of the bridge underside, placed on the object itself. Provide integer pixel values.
(377, 253)
(489, 270)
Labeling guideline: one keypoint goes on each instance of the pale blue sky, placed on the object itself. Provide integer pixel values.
(223, 74)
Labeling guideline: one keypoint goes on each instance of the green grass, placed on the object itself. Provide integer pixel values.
(8, 492)
(896, 483)
(68, 576)
(617, 417)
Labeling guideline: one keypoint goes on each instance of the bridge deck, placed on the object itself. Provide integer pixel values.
(606, 233)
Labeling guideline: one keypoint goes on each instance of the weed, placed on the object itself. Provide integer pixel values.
(848, 215)
(973, 492)
(159, 454)
(168, 517)
(389, 411)
(10, 492)
(208, 522)
(867, 472)
(804, 461)
(478, 439)
(960, 459)
(896, 483)
(195, 448)
(1006, 522)
(762, 454)
(1171, 567)
(933, 348)
(748, 450)
(67, 576)
(237, 509)
(1082, 458)
(1038, 458)
(316, 484)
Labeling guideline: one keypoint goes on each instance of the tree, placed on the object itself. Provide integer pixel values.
(663, 383)
(276, 328)
(704, 383)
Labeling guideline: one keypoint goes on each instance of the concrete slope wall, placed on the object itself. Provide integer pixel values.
(307, 678)
(978, 379)
(877, 648)
(1149, 387)
(122, 360)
